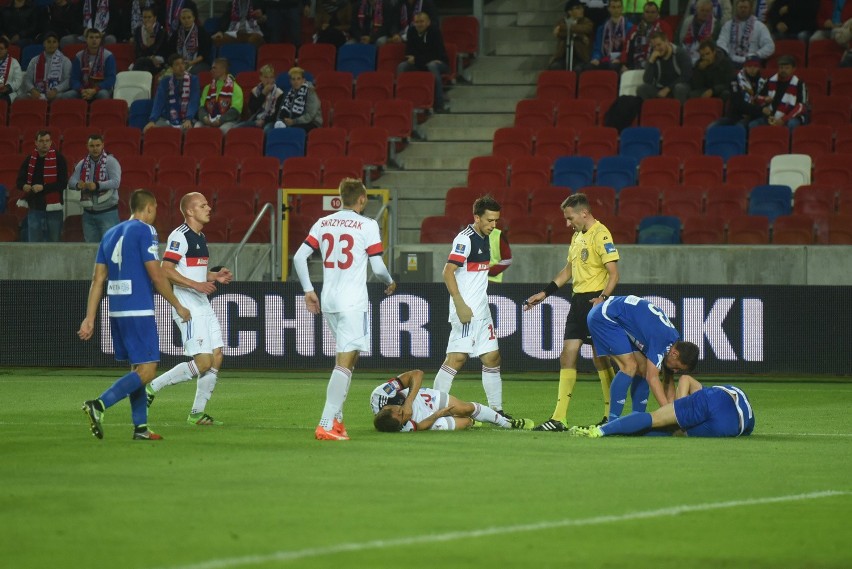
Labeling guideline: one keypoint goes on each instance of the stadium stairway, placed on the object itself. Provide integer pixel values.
(518, 44)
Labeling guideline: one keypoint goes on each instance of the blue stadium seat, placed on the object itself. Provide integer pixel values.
(283, 80)
(241, 57)
(573, 171)
(139, 113)
(770, 201)
(659, 230)
(725, 141)
(617, 171)
(640, 141)
(283, 143)
(356, 58)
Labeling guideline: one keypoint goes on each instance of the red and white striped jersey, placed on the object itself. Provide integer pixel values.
(188, 250)
(472, 254)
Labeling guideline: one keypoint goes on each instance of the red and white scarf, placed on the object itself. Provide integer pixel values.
(241, 16)
(94, 170)
(613, 38)
(48, 74)
(101, 16)
(5, 69)
(704, 32)
(178, 104)
(48, 175)
(790, 106)
(376, 10)
(173, 8)
(740, 41)
(272, 97)
(218, 102)
(187, 41)
(92, 67)
(640, 44)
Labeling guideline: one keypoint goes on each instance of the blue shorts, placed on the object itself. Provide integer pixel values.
(609, 338)
(713, 412)
(135, 338)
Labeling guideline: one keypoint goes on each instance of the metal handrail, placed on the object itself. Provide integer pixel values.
(267, 208)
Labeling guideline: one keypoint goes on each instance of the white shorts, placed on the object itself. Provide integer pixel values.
(202, 334)
(444, 424)
(350, 329)
(474, 338)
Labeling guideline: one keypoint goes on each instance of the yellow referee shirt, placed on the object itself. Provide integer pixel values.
(587, 254)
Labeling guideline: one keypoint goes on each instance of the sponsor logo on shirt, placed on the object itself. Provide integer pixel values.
(476, 267)
(388, 388)
(609, 247)
(174, 246)
(460, 248)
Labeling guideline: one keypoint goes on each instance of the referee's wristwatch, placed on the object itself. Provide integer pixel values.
(603, 296)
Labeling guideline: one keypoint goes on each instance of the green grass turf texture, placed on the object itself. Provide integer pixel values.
(260, 492)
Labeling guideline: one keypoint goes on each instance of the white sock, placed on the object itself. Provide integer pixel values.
(493, 386)
(487, 415)
(204, 390)
(178, 374)
(444, 379)
(335, 396)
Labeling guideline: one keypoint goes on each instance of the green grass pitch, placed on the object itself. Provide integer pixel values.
(260, 492)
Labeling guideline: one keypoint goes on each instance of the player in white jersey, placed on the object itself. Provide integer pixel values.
(345, 240)
(186, 264)
(466, 277)
(401, 404)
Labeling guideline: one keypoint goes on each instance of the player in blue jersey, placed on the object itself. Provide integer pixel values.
(633, 332)
(127, 262)
(717, 411)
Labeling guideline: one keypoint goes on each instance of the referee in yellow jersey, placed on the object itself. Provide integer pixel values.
(592, 263)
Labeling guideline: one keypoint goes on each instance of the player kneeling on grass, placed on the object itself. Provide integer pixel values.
(697, 411)
(401, 404)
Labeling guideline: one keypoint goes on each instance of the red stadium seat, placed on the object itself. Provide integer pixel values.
(556, 86)
(530, 172)
(841, 81)
(247, 80)
(622, 228)
(243, 143)
(439, 229)
(703, 230)
(814, 200)
(534, 114)
(683, 141)
(661, 113)
(833, 169)
(815, 79)
(660, 171)
(639, 201)
(843, 139)
(281, 56)
(28, 113)
(597, 142)
(203, 142)
(341, 167)
(370, 144)
(748, 230)
(576, 113)
(260, 173)
(395, 116)
(10, 140)
(317, 57)
(390, 56)
(793, 47)
(746, 170)
(487, 172)
(726, 202)
(511, 142)
(459, 202)
(107, 113)
(554, 142)
(9, 167)
(324, 143)
(601, 199)
(137, 172)
(66, 113)
(831, 111)
(546, 204)
(218, 171)
(175, 171)
(162, 141)
(349, 114)
(683, 202)
(375, 86)
(528, 231)
(240, 226)
(334, 86)
(124, 54)
(4, 112)
(703, 171)
(840, 230)
(123, 141)
(793, 230)
(824, 53)
(417, 87)
(463, 31)
(598, 85)
(768, 141)
(812, 139)
(233, 205)
(701, 112)
(302, 172)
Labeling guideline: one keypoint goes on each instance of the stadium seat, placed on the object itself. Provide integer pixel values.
(487, 172)
(792, 47)
(682, 202)
(349, 114)
(106, 113)
(244, 143)
(72, 229)
(240, 226)
(768, 141)
(639, 142)
(317, 57)
(701, 112)
(546, 204)
(597, 142)
(302, 172)
(598, 85)
(748, 230)
(793, 230)
(390, 56)
(511, 142)
(284, 143)
(28, 113)
(703, 230)
(553, 142)
(124, 54)
(458, 203)
(356, 58)
(622, 228)
(335, 169)
(395, 116)
(770, 201)
(792, 170)
(139, 113)
(812, 139)
(639, 201)
(259, 172)
(746, 170)
(324, 143)
(439, 229)
(281, 56)
(630, 81)
(463, 31)
(527, 231)
(66, 113)
(843, 139)
(814, 200)
(9, 167)
(602, 199)
(202, 142)
(726, 202)
(832, 110)
(123, 141)
(417, 87)
(162, 141)
(841, 81)
(247, 80)
(375, 86)
(530, 172)
(534, 114)
(617, 171)
(370, 144)
(703, 171)
(725, 141)
(10, 140)
(824, 53)
(241, 57)
(815, 79)
(573, 171)
(833, 169)
(556, 86)
(4, 112)
(175, 171)
(660, 113)
(576, 113)
(30, 51)
(660, 171)
(334, 86)
(216, 171)
(132, 85)
(659, 230)
(138, 171)
(514, 209)
(840, 230)
(683, 141)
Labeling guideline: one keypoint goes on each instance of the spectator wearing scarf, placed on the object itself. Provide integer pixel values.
(95, 15)
(42, 178)
(745, 35)
(150, 41)
(192, 42)
(239, 24)
(11, 76)
(97, 177)
(300, 107)
(221, 100)
(170, 13)
(92, 71)
(373, 22)
(638, 40)
(264, 101)
(611, 39)
(722, 9)
(742, 106)
(784, 97)
(704, 25)
(177, 98)
(49, 74)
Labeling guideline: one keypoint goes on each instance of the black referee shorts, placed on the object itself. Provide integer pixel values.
(576, 327)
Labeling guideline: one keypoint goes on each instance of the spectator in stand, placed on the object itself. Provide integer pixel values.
(151, 43)
(425, 51)
(830, 18)
(784, 97)
(92, 71)
(10, 73)
(745, 34)
(576, 28)
(192, 42)
(405, 12)
(20, 23)
(170, 14)
(177, 97)
(65, 18)
(282, 20)
(96, 15)
(844, 38)
(711, 76)
(746, 86)
(596, 11)
(704, 25)
(264, 101)
(639, 38)
(792, 19)
(97, 177)
(42, 179)
(333, 21)
(722, 9)
(239, 24)
(300, 107)
(221, 100)
(373, 22)
(668, 71)
(48, 75)
(611, 40)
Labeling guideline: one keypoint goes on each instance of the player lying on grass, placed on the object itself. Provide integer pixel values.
(697, 411)
(401, 404)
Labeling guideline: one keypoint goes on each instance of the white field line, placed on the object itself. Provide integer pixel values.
(285, 556)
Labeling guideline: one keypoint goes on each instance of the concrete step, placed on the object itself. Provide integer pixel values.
(516, 77)
(479, 92)
(508, 6)
(524, 48)
(413, 183)
(427, 162)
(543, 18)
(444, 150)
(495, 120)
(504, 64)
(411, 194)
(500, 20)
(416, 211)
(501, 105)
(460, 133)
(517, 33)
(409, 236)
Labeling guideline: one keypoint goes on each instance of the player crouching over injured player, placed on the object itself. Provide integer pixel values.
(401, 404)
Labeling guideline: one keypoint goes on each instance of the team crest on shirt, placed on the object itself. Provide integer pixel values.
(584, 255)
(174, 246)
(460, 248)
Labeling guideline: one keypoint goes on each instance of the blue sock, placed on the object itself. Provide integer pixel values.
(628, 425)
(618, 394)
(639, 390)
(122, 387)
(139, 407)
